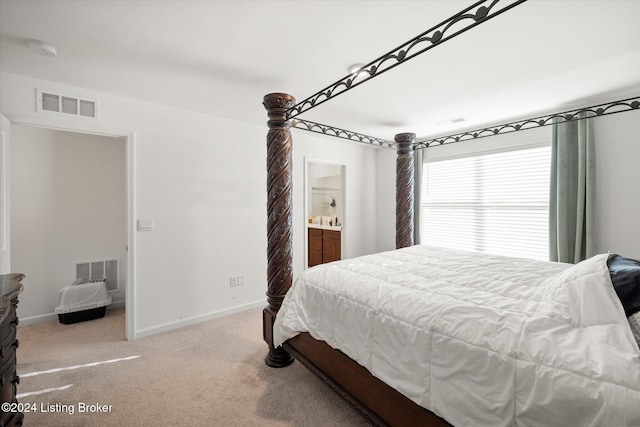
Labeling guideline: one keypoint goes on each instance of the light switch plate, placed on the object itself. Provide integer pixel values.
(145, 224)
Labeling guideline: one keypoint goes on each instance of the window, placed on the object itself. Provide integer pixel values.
(496, 203)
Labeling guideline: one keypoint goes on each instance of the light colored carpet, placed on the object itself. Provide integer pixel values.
(210, 374)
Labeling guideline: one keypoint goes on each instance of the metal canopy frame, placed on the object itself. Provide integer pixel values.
(340, 133)
(566, 116)
(472, 16)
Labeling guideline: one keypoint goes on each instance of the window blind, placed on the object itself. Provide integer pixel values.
(495, 203)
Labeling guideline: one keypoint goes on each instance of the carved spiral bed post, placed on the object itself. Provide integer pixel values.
(404, 190)
(279, 218)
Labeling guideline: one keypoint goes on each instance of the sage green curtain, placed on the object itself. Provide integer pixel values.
(571, 207)
(417, 192)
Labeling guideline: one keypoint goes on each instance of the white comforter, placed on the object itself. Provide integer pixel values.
(479, 340)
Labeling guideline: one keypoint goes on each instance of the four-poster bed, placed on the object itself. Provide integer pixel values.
(379, 401)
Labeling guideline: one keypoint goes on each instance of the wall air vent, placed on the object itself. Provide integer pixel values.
(99, 270)
(68, 105)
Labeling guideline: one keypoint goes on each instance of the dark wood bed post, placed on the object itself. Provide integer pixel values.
(279, 218)
(404, 190)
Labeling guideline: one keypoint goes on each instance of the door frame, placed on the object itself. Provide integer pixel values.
(5, 197)
(129, 137)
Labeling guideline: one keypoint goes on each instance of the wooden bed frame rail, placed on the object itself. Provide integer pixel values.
(375, 400)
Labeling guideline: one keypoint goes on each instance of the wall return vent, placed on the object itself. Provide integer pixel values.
(99, 270)
(68, 105)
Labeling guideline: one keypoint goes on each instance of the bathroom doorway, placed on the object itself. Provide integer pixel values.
(324, 211)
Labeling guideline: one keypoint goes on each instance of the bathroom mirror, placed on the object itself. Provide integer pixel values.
(324, 211)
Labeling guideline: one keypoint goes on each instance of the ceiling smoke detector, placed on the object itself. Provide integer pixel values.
(451, 121)
(43, 48)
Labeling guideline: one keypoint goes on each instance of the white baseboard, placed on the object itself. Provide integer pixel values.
(197, 319)
(31, 320)
(24, 321)
(116, 304)
(160, 328)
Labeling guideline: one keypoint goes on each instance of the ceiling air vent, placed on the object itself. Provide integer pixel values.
(67, 105)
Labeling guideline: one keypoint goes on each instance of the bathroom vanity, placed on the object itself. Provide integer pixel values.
(324, 243)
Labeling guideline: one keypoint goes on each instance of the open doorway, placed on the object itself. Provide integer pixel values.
(69, 210)
(325, 211)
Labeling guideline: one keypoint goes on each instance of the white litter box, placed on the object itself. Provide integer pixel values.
(82, 301)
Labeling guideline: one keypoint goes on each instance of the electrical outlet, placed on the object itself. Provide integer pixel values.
(235, 281)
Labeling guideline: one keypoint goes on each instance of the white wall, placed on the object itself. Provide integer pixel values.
(618, 183)
(617, 139)
(203, 181)
(68, 205)
(386, 200)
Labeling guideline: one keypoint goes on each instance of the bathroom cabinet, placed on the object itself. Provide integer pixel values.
(324, 245)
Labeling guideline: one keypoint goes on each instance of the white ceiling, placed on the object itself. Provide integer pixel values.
(222, 57)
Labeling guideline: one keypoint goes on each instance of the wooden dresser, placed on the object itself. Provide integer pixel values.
(324, 246)
(10, 287)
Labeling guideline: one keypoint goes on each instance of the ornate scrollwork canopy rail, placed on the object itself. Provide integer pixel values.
(468, 18)
(567, 116)
(341, 133)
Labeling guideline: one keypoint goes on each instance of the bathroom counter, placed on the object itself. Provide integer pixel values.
(325, 227)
